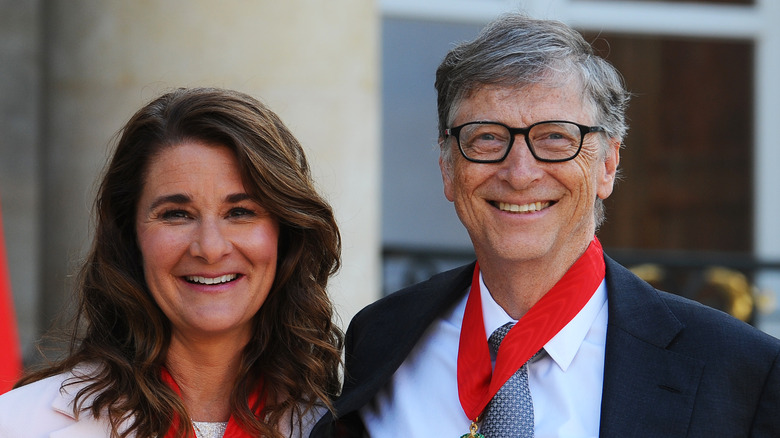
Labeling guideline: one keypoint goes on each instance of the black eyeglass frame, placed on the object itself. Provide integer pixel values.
(513, 132)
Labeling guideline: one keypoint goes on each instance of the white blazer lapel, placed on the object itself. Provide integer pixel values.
(86, 426)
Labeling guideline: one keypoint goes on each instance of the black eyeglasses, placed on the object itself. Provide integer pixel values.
(551, 141)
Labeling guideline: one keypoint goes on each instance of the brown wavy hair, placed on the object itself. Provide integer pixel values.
(295, 347)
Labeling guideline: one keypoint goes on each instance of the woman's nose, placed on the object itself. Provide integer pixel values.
(210, 242)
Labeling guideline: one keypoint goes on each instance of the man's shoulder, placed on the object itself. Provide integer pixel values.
(395, 322)
(433, 294)
(718, 326)
(701, 328)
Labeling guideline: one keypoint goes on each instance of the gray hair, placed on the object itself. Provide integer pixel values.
(516, 51)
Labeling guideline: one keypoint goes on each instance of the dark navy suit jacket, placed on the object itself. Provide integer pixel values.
(673, 367)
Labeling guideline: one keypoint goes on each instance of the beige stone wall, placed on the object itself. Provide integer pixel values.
(315, 63)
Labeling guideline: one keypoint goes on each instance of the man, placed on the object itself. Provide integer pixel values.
(530, 128)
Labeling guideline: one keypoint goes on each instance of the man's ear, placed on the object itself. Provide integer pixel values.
(606, 181)
(446, 176)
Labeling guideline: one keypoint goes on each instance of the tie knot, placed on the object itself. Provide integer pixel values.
(495, 339)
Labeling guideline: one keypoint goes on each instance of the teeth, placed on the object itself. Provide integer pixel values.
(514, 208)
(210, 281)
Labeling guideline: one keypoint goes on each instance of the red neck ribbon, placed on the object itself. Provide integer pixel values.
(477, 382)
(233, 430)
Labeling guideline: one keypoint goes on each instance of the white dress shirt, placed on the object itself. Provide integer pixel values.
(422, 400)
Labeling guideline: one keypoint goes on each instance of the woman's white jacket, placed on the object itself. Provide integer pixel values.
(44, 409)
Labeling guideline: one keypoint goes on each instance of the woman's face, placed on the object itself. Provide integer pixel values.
(209, 251)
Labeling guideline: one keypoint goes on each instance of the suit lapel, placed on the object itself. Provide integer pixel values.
(649, 390)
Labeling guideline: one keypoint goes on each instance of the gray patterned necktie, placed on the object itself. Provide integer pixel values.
(510, 414)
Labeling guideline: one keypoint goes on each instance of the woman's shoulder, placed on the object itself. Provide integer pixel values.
(30, 410)
(289, 426)
(40, 407)
(39, 393)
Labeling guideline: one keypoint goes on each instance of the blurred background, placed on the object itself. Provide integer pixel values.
(696, 211)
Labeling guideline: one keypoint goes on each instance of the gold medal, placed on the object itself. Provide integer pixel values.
(473, 431)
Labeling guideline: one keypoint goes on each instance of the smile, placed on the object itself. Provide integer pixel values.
(526, 208)
(211, 281)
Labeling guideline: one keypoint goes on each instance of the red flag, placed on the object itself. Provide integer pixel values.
(10, 352)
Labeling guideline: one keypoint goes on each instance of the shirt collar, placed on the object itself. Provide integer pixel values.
(564, 345)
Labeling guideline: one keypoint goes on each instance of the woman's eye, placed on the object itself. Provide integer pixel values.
(174, 214)
(240, 212)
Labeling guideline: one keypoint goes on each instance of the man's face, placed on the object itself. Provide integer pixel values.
(522, 209)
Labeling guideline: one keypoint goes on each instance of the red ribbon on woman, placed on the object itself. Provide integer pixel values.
(233, 430)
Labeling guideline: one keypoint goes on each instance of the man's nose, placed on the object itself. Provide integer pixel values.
(520, 168)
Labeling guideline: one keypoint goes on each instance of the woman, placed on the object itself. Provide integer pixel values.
(202, 303)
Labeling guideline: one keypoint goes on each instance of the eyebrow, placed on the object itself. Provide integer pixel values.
(237, 197)
(172, 199)
(180, 199)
